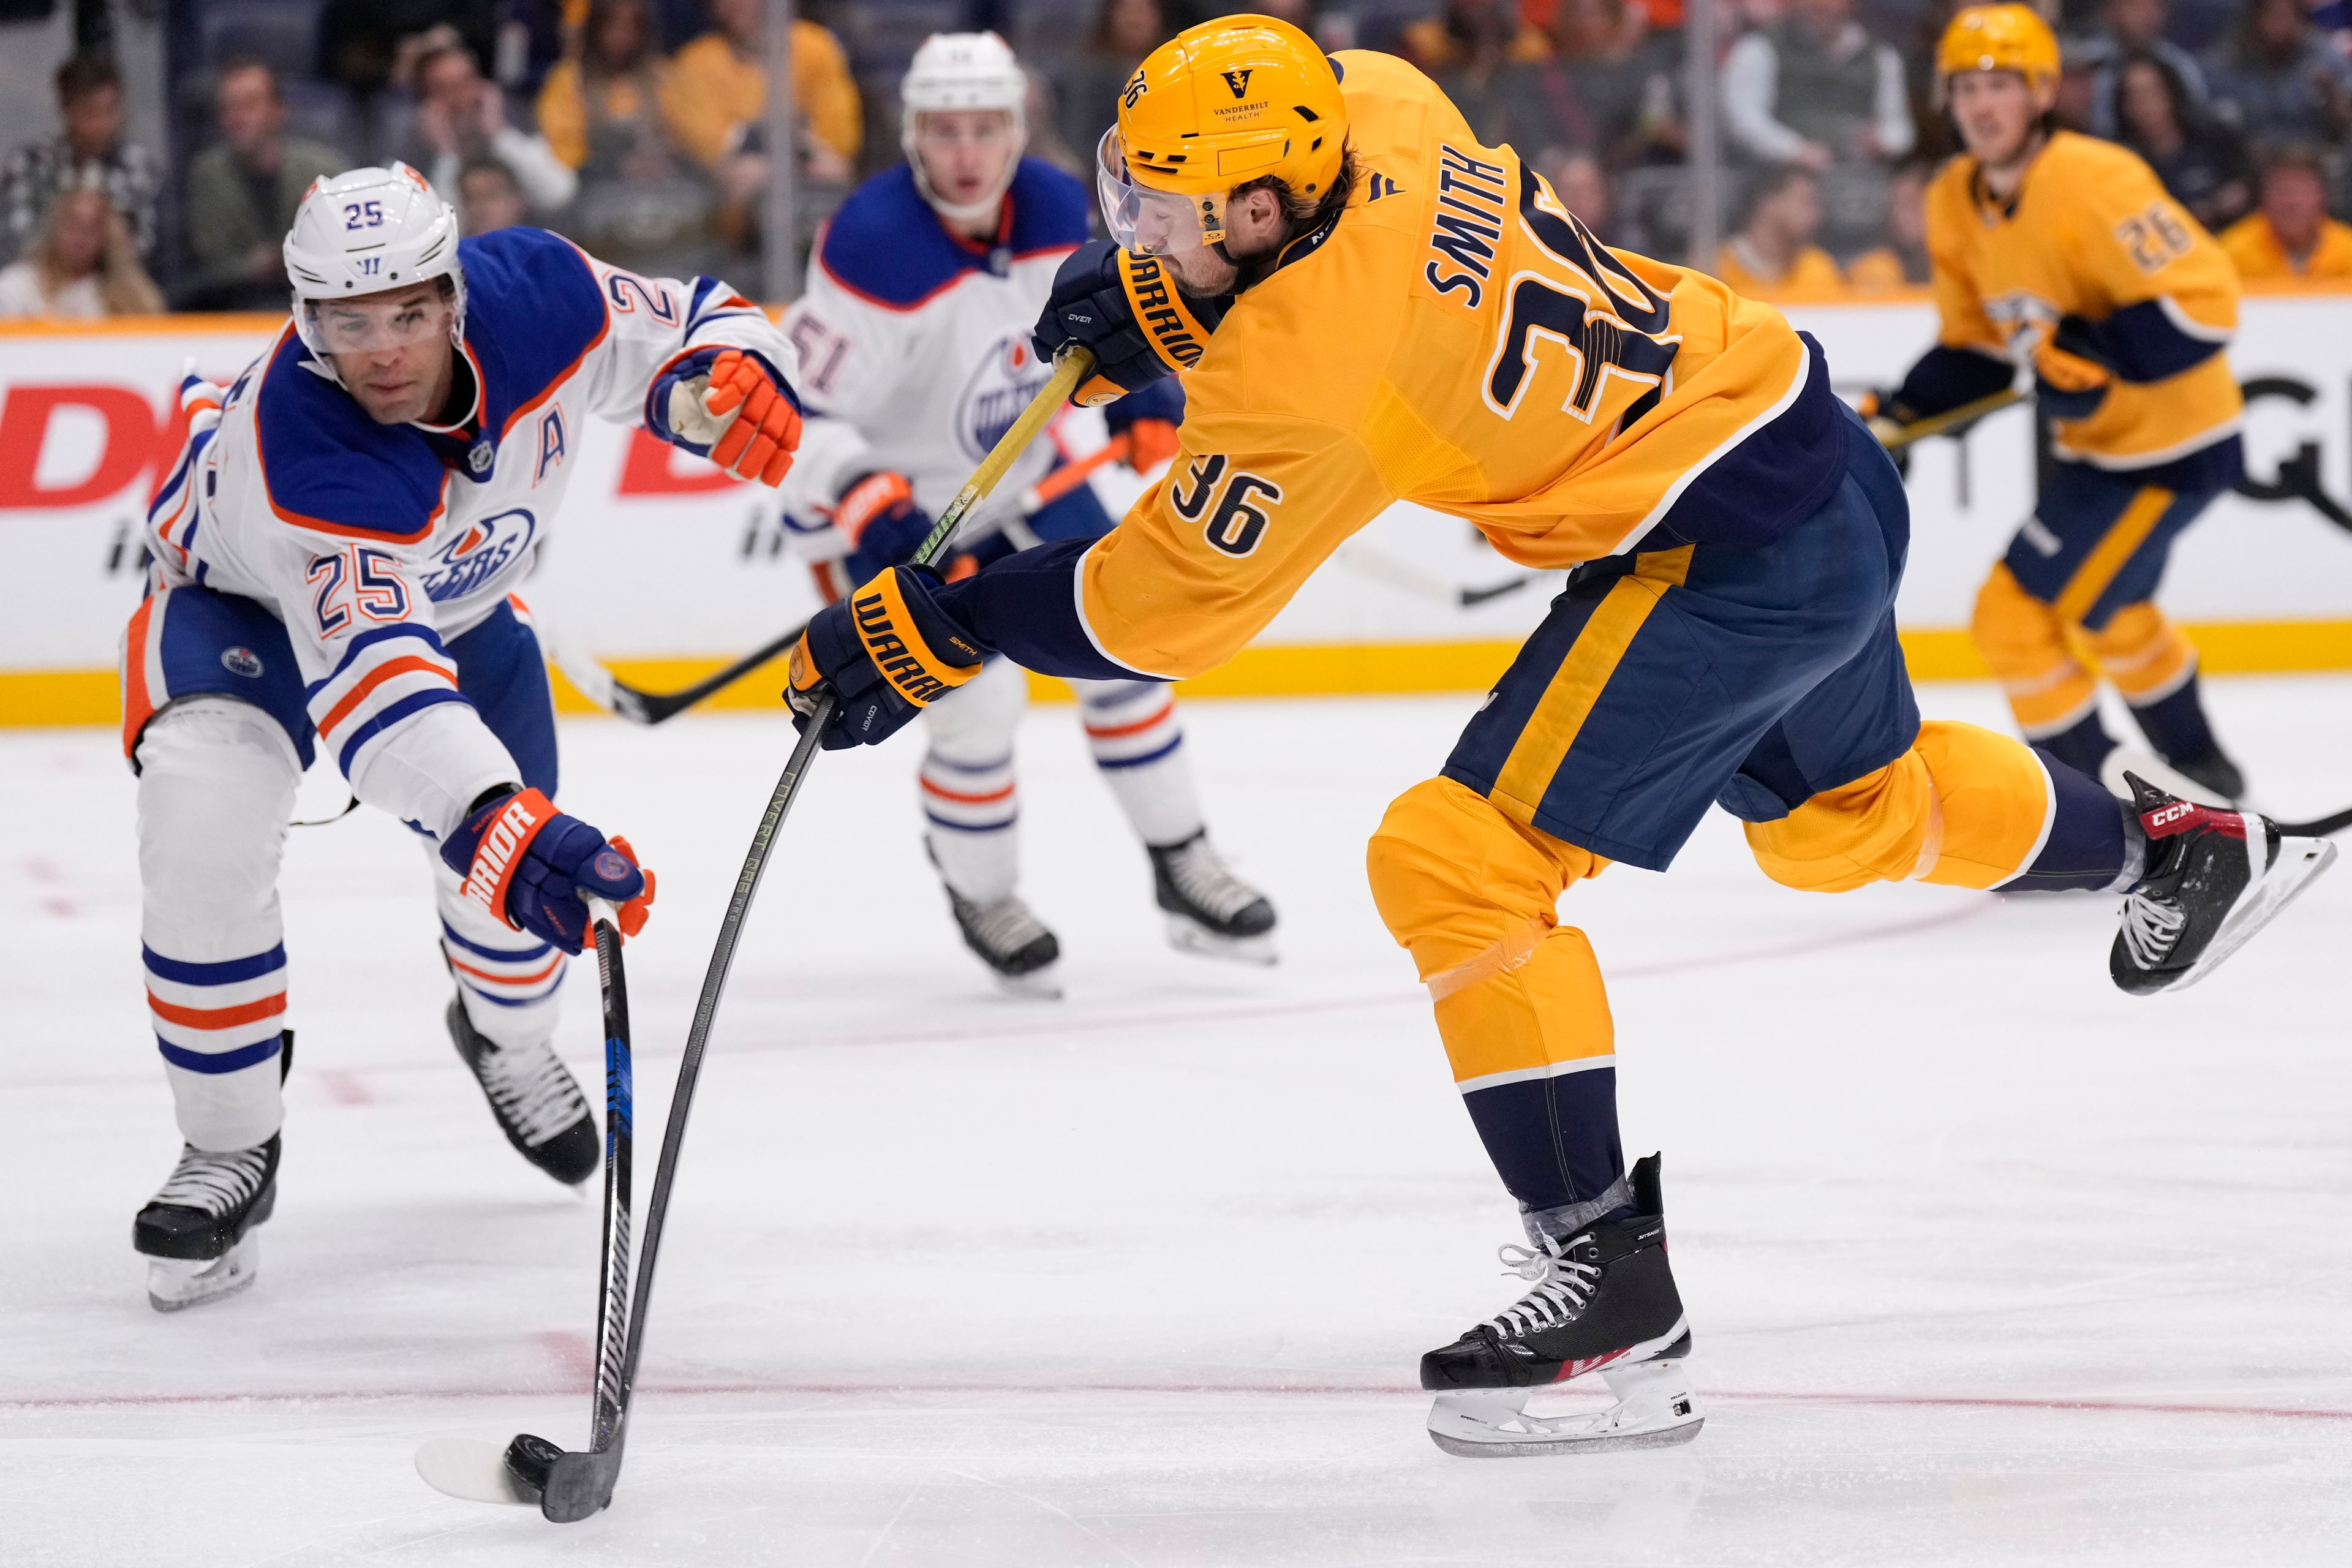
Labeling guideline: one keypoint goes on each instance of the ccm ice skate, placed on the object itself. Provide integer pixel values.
(1210, 910)
(537, 1103)
(197, 1233)
(1604, 1300)
(2214, 877)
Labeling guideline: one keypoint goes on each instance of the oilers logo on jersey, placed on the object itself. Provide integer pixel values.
(1000, 387)
(480, 553)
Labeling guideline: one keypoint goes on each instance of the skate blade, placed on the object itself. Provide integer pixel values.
(1655, 1409)
(175, 1284)
(1186, 935)
(474, 1468)
(2300, 862)
(1037, 985)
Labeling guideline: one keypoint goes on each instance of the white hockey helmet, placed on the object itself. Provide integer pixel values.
(365, 231)
(963, 70)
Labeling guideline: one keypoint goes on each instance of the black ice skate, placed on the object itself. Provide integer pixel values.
(1604, 1301)
(197, 1231)
(537, 1103)
(2214, 879)
(1014, 944)
(1210, 910)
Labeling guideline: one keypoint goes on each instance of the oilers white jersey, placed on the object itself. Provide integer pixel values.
(914, 346)
(375, 544)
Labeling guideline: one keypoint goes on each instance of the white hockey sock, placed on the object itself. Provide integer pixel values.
(971, 817)
(1139, 743)
(510, 981)
(216, 788)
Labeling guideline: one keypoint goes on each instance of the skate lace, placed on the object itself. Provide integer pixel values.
(1005, 926)
(2152, 923)
(533, 1093)
(1206, 883)
(215, 1184)
(1563, 1287)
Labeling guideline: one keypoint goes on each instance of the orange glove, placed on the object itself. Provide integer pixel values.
(758, 442)
(1150, 442)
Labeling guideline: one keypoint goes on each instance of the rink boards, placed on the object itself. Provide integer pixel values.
(664, 566)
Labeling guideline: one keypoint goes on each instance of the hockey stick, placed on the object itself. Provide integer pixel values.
(609, 691)
(568, 1486)
(1952, 418)
(2318, 827)
(1387, 568)
(577, 1485)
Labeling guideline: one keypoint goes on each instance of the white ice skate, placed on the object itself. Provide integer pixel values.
(1655, 1409)
(1210, 912)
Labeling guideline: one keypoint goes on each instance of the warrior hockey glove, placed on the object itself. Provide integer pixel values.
(1125, 308)
(729, 406)
(888, 652)
(532, 867)
(1147, 419)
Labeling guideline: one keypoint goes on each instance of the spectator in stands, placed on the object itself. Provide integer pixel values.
(2290, 235)
(241, 196)
(490, 197)
(616, 79)
(1463, 49)
(2202, 162)
(83, 265)
(643, 204)
(1772, 254)
(1588, 93)
(1814, 89)
(2125, 28)
(1581, 184)
(2279, 79)
(461, 118)
(719, 89)
(1902, 261)
(1088, 84)
(91, 151)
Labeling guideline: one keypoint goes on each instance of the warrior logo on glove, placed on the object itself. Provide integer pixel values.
(1125, 308)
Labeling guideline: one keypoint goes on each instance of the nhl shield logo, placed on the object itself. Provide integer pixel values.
(241, 661)
(478, 457)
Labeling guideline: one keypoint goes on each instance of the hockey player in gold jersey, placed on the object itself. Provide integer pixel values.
(1373, 306)
(2061, 256)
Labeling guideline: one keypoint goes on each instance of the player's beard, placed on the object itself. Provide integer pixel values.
(1206, 272)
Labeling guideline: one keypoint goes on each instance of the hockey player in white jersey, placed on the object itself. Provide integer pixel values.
(913, 340)
(336, 551)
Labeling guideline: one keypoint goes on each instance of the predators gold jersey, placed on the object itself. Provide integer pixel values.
(2093, 235)
(1455, 337)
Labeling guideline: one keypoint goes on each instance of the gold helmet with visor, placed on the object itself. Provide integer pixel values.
(1222, 104)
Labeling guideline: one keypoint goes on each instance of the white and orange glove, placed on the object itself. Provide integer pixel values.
(728, 405)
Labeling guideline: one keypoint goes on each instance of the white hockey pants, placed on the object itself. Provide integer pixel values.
(216, 786)
(972, 803)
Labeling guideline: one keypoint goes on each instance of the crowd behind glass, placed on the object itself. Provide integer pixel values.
(637, 127)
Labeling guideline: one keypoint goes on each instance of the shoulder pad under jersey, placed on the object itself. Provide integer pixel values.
(1050, 209)
(888, 247)
(533, 310)
(325, 465)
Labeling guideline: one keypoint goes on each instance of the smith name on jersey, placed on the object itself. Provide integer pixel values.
(1455, 337)
(375, 544)
(914, 341)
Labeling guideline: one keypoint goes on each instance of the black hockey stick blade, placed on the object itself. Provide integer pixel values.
(654, 707)
(568, 1486)
(2318, 827)
(1480, 595)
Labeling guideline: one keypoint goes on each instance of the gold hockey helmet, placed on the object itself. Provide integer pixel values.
(1218, 105)
(2009, 38)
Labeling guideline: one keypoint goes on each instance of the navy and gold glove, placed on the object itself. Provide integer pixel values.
(888, 651)
(1125, 308)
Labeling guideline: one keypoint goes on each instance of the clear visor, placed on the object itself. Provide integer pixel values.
(1149, 222)
(373, 326)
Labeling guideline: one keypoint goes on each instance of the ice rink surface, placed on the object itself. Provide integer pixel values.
(1988, 1263)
